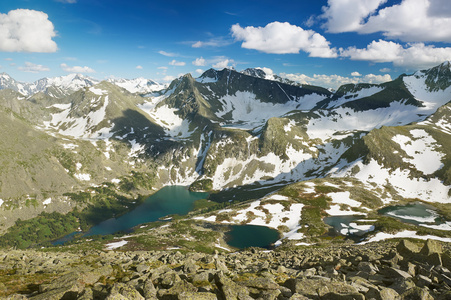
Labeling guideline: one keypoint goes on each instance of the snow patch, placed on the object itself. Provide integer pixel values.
(422, 150)
(115, 245)
(404, 234)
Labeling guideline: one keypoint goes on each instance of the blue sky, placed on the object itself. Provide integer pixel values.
(323, 42)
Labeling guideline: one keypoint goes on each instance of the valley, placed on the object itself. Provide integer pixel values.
(77, 151)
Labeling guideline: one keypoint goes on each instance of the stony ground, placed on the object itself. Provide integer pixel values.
(385, 270)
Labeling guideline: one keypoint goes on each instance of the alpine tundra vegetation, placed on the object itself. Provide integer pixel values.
(295, 158)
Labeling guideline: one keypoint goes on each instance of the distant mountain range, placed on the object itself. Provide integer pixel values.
(224, 129)
(65, 85)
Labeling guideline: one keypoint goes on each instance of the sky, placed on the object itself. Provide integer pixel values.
(321, 42)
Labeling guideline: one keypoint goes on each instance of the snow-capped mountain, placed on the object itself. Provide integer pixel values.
(228, 129)
(64, 85)
(138, 85)
(57, 86)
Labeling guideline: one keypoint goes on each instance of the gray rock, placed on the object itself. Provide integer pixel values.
(367, 267)
(197, 296)
(177, 289)
(423, 281)
(416, 293)
(397, 273)
(230, 290)
(202, 279)
(431, 247)
(124, 291)
(149, 290)
(383, 294)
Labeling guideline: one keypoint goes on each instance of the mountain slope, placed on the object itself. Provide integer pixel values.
(227, 129)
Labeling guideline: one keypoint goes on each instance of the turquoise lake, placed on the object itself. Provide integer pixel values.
(169, 200)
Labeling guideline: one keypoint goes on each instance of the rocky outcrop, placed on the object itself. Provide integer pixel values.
(382, 271)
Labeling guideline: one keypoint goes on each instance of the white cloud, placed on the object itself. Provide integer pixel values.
(283, 38)
(169, 54)
(268, 71)
(67, 1)
(356, 74)
(8, 59)
(200, 62)
(376, 51)
(347, 15)
(213, 42)
(168, 78)
(139, 67)
(335, 81)
(33, 68)
(223, 64)
(410, 20)
(413, 56)
(177, 63)
(24, 30)
(199, 71)
(76, 69)
(385, 70)
(162, 68)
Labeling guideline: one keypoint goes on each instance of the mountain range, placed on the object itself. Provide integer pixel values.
(68, 137)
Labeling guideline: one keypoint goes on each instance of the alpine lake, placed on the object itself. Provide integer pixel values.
(171, 200)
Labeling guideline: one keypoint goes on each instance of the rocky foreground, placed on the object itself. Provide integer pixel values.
(385, 270)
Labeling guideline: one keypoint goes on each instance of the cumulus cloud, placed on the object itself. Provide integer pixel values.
(199, 71)
(33, 68)
(356, 74)
(347, 15)
(76, 69)
(177, 63)
(335, 81)
(376, 51)
(24, 30)
(410, 20)
(283, 38)
(200, 62)
(385, 70)
(223, 64)
(413, 56)
(139, 67)
(268, 71)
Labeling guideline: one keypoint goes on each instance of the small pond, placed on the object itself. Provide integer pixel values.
(346, 225)
(414, 213)
(245, 236)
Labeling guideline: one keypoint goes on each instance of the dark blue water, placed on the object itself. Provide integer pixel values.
(244, 236)
(167, 201)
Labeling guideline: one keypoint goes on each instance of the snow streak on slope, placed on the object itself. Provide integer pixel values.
(351, 96)
(347, 120)
(431, 100)
(82, 127)
(244, 111)
(421, 149)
